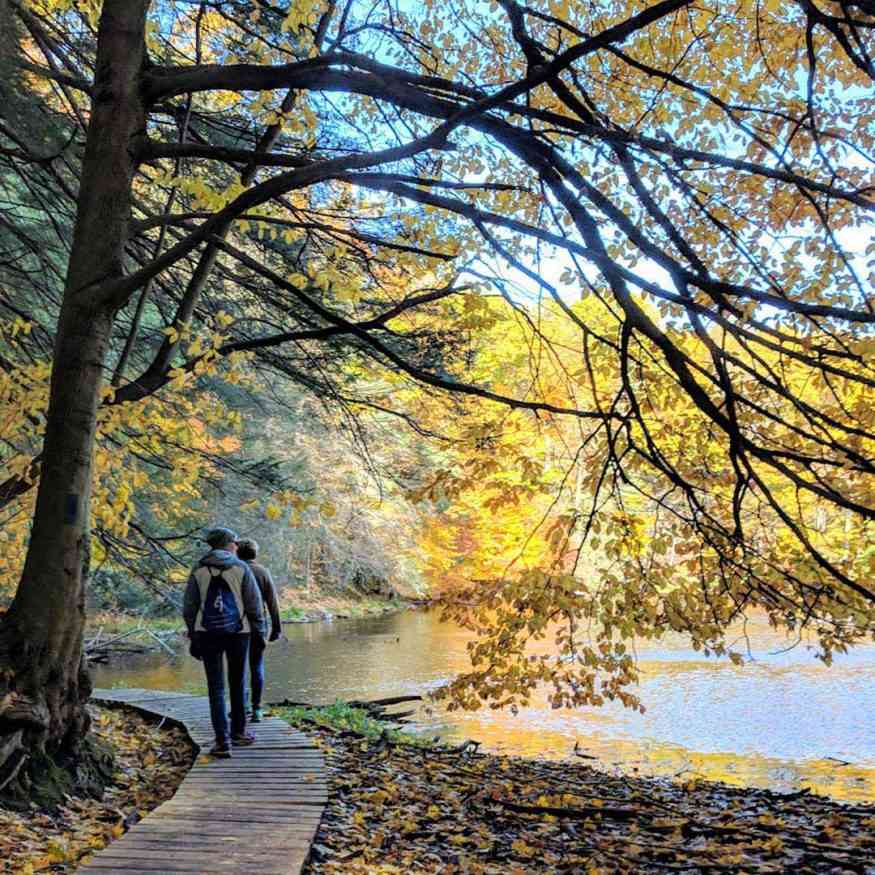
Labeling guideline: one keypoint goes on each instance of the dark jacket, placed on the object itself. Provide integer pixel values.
(249, 595)
(268, 594)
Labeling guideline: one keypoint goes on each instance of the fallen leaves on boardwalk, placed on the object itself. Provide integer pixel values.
(150, 763)
(399, 809)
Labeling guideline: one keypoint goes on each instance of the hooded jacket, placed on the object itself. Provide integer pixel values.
(242, 583)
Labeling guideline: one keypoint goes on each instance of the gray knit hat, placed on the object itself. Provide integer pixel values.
(220, 537)
(247, 548)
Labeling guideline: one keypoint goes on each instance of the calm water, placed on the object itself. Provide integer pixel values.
(784, 721)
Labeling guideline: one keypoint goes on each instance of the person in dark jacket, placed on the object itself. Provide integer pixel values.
(223, 610)
(247, 550)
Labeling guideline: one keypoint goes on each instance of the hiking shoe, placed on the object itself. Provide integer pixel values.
(221, 750)
(243, 739)
(257, 715)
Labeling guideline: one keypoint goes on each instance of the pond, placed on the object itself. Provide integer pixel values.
(783, 721)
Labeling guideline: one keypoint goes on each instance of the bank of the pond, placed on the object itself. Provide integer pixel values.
(398, 805)
(150, 763)
(114, 633)
(783, 722)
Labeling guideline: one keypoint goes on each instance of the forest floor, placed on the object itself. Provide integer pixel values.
(150, 763)
(399, 805)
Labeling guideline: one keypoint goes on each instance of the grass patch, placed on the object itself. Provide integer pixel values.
(294, 614)
(343, 717)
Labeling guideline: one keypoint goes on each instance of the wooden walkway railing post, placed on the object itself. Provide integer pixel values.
(255, 813)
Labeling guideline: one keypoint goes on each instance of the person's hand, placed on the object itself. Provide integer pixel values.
(275, 634)
(194, 646)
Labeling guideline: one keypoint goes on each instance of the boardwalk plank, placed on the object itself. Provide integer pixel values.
(247, 795)
(245, 812)
(259, 776)
(292, 814)
(290, 829)
(181, 858)
(280, 778)
(271, 791)
(208, 866)
(207, 844)
(290, 755)
(255, 813)
(167, 830)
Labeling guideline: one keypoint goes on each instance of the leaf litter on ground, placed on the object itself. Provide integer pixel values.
(151, 761)
(409, 808)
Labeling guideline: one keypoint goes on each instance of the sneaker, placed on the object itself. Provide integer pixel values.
(257, 715)
(221, 750)
(243, 739)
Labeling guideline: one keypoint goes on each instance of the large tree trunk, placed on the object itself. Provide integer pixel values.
(43, 684)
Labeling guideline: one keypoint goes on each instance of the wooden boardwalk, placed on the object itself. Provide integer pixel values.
(255, 813)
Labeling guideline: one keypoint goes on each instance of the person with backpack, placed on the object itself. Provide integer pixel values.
(247, 550)
(223, 610)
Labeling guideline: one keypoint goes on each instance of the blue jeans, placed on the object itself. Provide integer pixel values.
(256, 670)
(215, 646)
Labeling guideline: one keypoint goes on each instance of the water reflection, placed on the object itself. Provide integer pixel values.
(784, 721)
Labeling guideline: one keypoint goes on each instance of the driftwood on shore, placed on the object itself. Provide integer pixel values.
(139, 640)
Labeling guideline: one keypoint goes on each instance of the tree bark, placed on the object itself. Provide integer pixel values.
(43, 684)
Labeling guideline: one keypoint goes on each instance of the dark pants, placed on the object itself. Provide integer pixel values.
(256, 670)
(215, 646)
